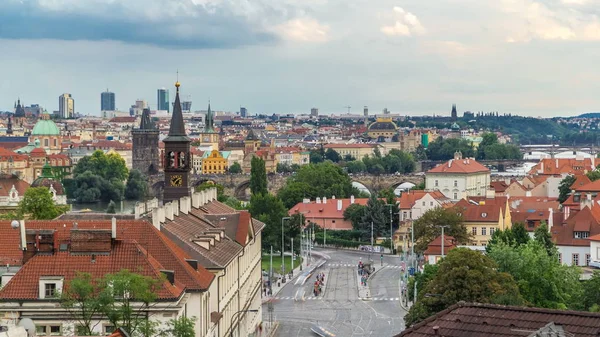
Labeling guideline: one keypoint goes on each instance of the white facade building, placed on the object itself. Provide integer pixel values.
(459, 178)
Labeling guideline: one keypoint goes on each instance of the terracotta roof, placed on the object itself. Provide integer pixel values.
(5, 154)
(480, 213)
(558, 166)
(408, 199)
(464, 166)
(475, 320)
(593, 186)
(159, 247)
(499, 186)
(122, 120)
(6, 185)
(586, 220)
(580, 180)
(37, 152)
(435, 246)
(528, 204)
(325, 211)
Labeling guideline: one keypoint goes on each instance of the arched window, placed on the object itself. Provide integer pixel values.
(46, 142)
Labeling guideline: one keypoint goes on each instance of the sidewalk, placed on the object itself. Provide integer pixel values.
(364, 293)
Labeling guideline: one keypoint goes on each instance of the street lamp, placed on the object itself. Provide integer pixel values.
(237, 313)
(443, 226)
(282, 248)
(391, 229)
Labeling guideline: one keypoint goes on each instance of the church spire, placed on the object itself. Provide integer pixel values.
(209, 124)
(177, 127)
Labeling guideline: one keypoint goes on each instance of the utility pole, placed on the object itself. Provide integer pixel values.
(391, 230)
(292, 266)
(371, 250)
(283, 247)
(443, 239)
(324, 235)
(271, 273)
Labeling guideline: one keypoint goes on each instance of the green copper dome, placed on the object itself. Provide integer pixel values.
(45, 127)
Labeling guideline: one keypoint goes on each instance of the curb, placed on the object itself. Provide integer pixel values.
(368, 298)
(273, 329)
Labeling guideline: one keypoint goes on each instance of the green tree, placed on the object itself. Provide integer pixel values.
(270, 210)
(542, 280)
(112, 208)
(99, 177)
(235, 168)
(564, 188)
(374, 217)
(594, 174)
(354, 214)
(332, 155)
(444, 149)
(283, 168)
(427, 227)
(316, 180)
(82, 301)
(180, 327)
(463, 275)
(356, 166)
(136, 187)
(422, 278)
(37, 204)
(591, 292)
(420, 153)
(520, 234)
(488, 139)
(126, 300)
(317, 156)
(544, 237)
(258, 176)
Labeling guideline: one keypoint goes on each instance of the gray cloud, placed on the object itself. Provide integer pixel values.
(164, 23)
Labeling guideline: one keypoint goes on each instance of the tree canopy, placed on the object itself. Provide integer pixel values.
(258, 176)
(270, 210)
(99, 177)
(427, 227)
(136, 187)
(37, 204)
(564, 188)
(235, 168)
(444, 149)
(463, 275)
(316, 180)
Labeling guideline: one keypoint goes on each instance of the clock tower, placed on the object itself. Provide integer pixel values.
(210, 137)
(177, 161)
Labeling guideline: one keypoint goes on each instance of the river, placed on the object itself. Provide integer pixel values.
(123, 207)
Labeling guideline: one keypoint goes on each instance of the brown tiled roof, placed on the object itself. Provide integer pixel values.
(325, 211)
(124, 255)
(593, 186)
(580, 180)
(499, 186)
(167, 253)
(186, 227)
(480, 213)
(435, 246)
(460, 166)
(587, 219)
(6, 185)
(476, 320)
(558, 166)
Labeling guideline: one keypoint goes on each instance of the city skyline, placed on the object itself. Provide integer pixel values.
(285, 56)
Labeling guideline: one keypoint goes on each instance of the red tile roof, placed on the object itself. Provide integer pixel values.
(460, 166)
(326, 211)
(580, 180)
(593, 186)
(480, 213)
(558, 166)
(499, 186)
(586, 220)
(435, 246)
(158, 246)
(6, 184)
(476, 320)
(408, 199)
(349, 146)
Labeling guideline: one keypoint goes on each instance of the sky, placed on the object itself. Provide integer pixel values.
(414, 57)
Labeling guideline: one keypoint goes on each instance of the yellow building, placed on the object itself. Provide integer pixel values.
(214, 163)
(382, 127)
(483, 216)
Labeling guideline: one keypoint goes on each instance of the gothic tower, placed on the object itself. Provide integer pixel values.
(454, 113)
(209, 136)
(9, 130)
(145, 145)
(177, 161)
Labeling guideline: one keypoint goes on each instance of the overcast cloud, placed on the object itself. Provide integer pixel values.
(285, 56)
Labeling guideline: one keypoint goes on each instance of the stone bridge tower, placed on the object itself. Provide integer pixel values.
(145, 146)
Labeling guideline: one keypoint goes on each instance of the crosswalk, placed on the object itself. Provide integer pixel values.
(318, 298)
(355, 265)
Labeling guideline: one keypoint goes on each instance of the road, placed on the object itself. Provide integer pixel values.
(339, 310)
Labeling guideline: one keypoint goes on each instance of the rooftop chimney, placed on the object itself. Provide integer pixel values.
(450, 163)
(556, 161)
(324, 200)
(318, 200)
(339, 205)
(305, 201)
(550, 219)
(113, 228)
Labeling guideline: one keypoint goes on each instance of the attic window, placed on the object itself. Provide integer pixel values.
(484, 215)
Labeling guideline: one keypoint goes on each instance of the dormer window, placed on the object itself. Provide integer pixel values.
(577, 198)
(581, 235)
(50, 286)
(484, 215)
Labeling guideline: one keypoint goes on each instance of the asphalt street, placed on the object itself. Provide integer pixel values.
(339, 309)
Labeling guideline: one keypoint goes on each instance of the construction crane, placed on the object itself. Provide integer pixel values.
(348, 107)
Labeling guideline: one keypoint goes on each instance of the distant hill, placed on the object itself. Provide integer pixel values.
(590, 115)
